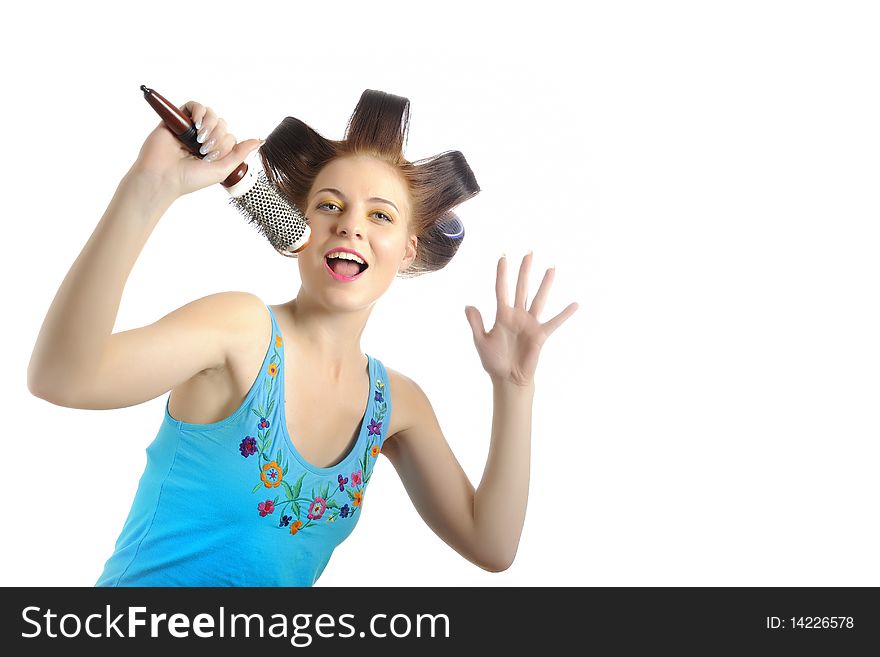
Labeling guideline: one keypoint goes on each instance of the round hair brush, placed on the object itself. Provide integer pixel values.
(255, 196)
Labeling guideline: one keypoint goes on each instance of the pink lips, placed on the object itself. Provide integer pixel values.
(339, 277)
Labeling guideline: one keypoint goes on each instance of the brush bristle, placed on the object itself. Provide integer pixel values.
(279, 221)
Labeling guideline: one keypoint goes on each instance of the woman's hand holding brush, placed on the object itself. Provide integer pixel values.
(170, 170)
(168, 164)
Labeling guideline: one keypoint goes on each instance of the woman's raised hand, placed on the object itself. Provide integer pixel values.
(509, 352)
(168, 163)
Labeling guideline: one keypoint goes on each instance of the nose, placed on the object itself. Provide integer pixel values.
(348, 224)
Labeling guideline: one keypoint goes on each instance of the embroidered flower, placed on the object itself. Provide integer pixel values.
(317, 508)
(273, 472)
(324, 500)
(248, 446)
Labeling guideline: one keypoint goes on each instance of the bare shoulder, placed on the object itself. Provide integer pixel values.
(248, 323)
(241, 324)
(246, 309)
(408, 398)
(226, 310)
(242, 307)
(239, 320)
(225, 320)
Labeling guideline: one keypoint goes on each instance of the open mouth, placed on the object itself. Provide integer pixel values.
(347, 270)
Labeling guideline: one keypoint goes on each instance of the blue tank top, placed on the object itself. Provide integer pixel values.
(232, 503)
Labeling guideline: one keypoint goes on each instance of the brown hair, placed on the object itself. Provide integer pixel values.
(294, 154)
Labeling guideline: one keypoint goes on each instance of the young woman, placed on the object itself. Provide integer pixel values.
(275, 416)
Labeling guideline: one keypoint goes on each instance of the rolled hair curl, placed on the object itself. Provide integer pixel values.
(294, 155)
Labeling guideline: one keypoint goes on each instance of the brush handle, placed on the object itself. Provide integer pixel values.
(182, 127)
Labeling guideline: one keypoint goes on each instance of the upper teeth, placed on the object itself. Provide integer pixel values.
(346, 256)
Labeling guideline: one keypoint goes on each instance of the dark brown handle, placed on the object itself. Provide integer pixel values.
(182, 127)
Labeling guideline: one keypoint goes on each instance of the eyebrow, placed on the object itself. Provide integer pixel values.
(372, 198)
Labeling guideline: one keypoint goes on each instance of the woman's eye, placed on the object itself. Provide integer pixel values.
(326, 203)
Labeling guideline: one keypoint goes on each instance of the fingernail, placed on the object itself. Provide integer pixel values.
(206, 148)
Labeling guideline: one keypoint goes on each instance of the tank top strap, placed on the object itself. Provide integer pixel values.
(381, 398)
(380, 393)
(276, 346)
(275, 361)
(275, 328)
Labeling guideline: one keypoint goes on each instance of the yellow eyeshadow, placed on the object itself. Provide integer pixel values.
(342, 207)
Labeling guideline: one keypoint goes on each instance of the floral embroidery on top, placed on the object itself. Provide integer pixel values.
(320, 504)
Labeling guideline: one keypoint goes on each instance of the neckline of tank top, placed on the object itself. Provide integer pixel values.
(245, 405)
(291, 447)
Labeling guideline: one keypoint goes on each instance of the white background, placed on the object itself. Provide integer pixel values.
(703, 175)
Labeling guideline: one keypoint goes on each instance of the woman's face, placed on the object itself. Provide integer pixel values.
(360, 203)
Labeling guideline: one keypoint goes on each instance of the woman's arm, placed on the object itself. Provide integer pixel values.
(501, 499)
(483, 525)
(77, 360)
(80, 320)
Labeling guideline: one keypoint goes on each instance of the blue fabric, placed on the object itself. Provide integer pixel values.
(233, 503)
